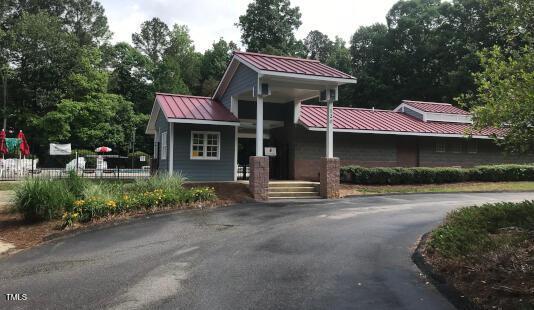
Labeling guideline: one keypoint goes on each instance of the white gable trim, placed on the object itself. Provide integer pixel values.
(232, 68)
(227, 77)
(201, 121)
(151, 126)
(437, 117)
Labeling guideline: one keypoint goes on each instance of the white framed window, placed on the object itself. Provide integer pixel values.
(156, 146)
(205, 145)
(164, 148)
(456, 147)
(439, 147)
(472, 147)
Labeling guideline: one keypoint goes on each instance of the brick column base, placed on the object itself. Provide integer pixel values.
(259, 177)
(330, 177)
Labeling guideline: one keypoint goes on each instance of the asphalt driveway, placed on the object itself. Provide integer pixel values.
(344, 254)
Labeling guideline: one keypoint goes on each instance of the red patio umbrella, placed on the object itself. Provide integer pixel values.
(3, 147)
(103, 149)
(24, 147)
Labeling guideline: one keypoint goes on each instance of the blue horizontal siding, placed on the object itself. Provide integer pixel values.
(244, 80)
(204, 170)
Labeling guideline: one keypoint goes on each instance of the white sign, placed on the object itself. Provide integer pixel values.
(142, 158)
(270, 151)
(60, 149)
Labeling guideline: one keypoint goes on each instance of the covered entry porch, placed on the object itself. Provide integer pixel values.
(265, 93)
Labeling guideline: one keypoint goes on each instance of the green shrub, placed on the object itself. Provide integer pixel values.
(424, 175)
(41, 199)
(470, 231)
(79, 200)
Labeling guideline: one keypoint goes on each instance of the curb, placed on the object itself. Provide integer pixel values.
(454, 296)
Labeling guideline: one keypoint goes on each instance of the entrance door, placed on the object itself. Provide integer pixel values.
(279, 164)
(407, 153)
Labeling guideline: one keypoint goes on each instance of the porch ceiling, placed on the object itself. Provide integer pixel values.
(285, 89)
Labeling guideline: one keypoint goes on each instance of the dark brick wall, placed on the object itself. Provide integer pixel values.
(369, 150)
(487, 153)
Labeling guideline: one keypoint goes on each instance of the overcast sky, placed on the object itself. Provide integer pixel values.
(208, 20)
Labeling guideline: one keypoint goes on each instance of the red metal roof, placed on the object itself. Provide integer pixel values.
(435, 107)
(194, 108)
(290, 65)
(383, 120)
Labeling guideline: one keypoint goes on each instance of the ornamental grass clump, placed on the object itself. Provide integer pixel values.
(41, 199)
(78, 200)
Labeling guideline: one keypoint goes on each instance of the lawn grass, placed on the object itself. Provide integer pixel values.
(352, 189)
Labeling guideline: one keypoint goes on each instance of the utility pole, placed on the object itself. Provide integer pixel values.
(4, 78)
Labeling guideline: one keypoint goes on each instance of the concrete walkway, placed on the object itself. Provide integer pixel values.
(343, 254)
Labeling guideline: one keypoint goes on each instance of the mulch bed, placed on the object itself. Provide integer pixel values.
(14, 229)
(501, 279)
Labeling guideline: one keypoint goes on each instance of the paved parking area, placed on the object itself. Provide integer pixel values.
(340, 254)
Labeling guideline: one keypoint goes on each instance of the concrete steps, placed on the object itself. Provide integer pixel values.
(293, 190)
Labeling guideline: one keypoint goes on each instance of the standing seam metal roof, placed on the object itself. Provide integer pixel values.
(290, 65)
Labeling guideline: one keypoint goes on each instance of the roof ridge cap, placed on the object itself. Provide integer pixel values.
(350, 108)
(182, 95)
(276, 56)
(426, 102)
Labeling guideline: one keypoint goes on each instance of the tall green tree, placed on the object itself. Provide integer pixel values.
(85, 19)
(43, 55)
(372, 66)
(427, 50)
(98, 119)
(318, 45)
(268, 26)
(153, 38)
(87, 76)
(504, 97)
(181, 52)
(131, 75)
(213, 65)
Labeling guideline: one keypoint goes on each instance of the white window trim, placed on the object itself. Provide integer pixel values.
(164, 147)
(205, 145)
(156, 145)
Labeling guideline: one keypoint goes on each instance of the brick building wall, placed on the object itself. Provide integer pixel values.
(371, 150)
(465, 153)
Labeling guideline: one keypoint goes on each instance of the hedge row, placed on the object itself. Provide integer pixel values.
(424, 175)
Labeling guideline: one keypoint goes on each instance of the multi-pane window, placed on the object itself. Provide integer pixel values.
(205, 145)
(472, 147)
(456, 147)
(440, 147)
(164, 148)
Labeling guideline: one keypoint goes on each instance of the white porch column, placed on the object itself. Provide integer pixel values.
(259, 126)
(330, 129)
(171, 148)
